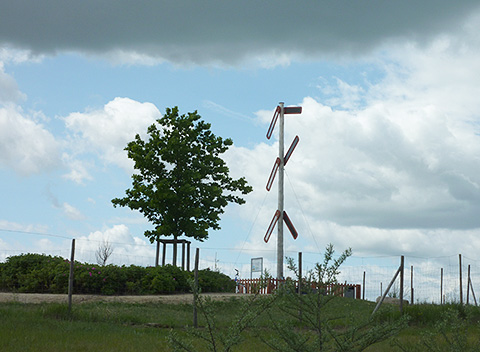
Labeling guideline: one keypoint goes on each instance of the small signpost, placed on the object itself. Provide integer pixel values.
(292, 110)
(256, 266)
(280, 215)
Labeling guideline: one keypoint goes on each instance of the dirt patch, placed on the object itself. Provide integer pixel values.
(55, 298)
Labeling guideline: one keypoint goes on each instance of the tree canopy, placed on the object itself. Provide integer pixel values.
(181, 184)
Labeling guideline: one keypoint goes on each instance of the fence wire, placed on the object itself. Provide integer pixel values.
(433, 280)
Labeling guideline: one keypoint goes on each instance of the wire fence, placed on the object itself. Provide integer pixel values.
(426, 280)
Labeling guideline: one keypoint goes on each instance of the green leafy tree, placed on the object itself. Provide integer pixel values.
(314, 328)
(214, 335)
(275, 319)
(181, 184)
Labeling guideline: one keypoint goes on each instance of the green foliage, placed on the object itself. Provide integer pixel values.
(182, 185)
(314, 327)
(34, 273)
(428, 314)
(453, 331)
(47, 274)
(316, 320)
(210, 337)
(211, 281)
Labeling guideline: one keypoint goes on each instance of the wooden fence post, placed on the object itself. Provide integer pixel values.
(411, 285)
(402, 276)
(164, 253)
(473, 293)
(379, 303)
(299, 272)
(70, 278)
(460, 272)
(183, 256)
(300, 283)
(468, 285)
(195, 285)
(441, 286)
(363, 286)
(157, 253)
(188, 256)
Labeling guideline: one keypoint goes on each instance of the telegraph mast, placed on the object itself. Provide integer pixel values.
(280, 215)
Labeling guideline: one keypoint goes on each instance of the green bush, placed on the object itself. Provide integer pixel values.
(213, 281)
(34, 273)
(47, 274)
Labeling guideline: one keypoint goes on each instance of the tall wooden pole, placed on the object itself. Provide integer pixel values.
(473, 292)
(460, 272)
(441, 286)
(281, 170)
(300, 275)
(70, 278)
(164, 253)
(183, 255)
(379, 303)
(300, 272)
(188, 256)
(174, 260)
(468, 285)
(402, 276)
(157, 254)
(411, 285)
(363, 286)
(195, 287)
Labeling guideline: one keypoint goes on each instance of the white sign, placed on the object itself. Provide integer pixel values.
(257, 265)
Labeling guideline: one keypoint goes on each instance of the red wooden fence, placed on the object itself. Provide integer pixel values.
(266, 286)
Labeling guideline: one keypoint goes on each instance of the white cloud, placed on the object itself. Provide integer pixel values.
(226, 112)
(4, 247)
(127, 249)
(43, 245)
(344, 95)
(12, 55)
(13, 241)
(26, 146)
(385, 165)
(126, 57)
(13, 226)
(109, 130)
(366, 241)
(395, 171)
(71, 212)
(78, 169)
(9, 92)
(68, 210)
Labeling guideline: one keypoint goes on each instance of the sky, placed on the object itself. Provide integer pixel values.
(388, 161)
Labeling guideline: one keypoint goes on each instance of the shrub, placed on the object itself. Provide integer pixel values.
(47, 274)
(33, 273)
(213, 281)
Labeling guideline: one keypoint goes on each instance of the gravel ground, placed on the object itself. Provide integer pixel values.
(55, 298)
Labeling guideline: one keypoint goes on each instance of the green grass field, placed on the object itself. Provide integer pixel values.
(145, 327)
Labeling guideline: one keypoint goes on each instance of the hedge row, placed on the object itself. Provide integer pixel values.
(46, 274)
